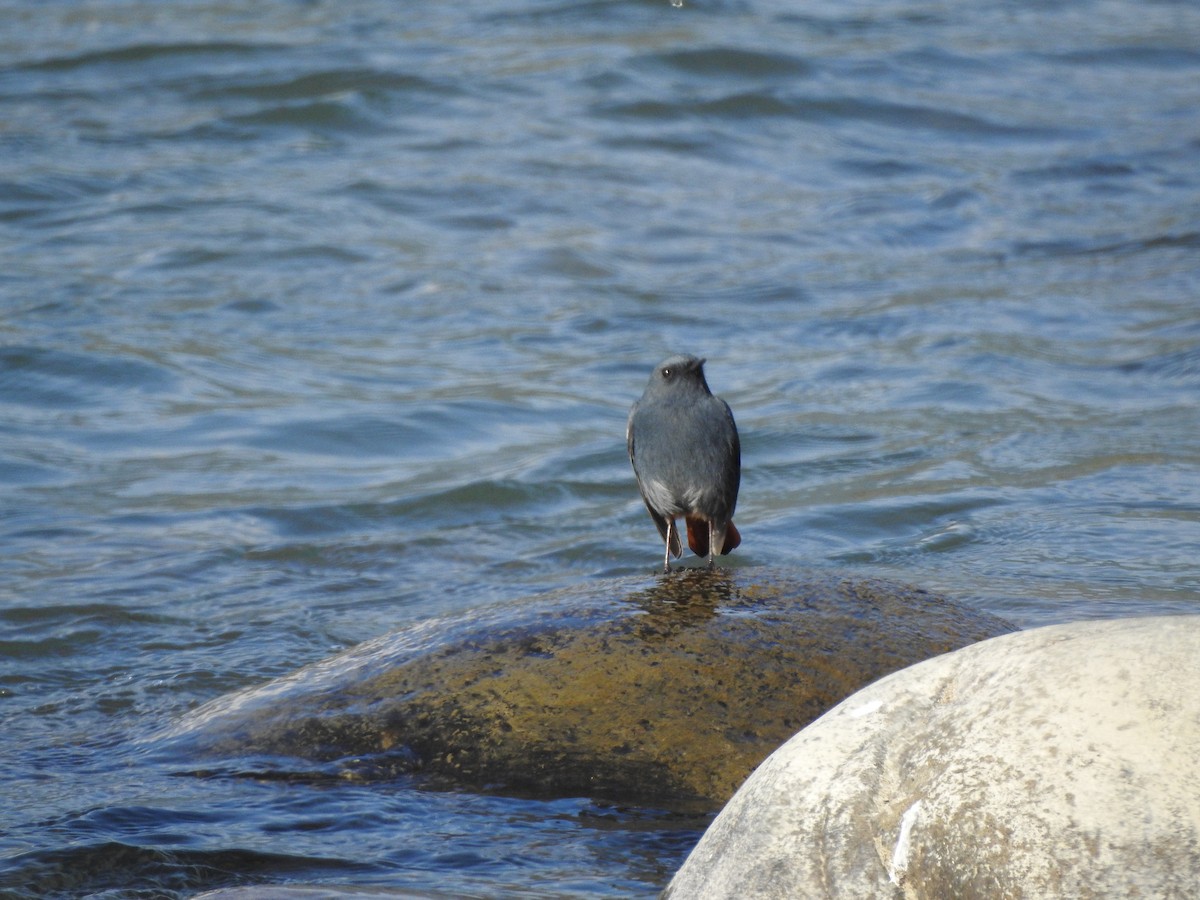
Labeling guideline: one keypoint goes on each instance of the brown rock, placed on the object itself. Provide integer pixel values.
(654, 690)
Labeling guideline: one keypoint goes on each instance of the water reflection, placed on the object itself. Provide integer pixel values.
(685, 598)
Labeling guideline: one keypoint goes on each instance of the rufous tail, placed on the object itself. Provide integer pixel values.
(697, 530)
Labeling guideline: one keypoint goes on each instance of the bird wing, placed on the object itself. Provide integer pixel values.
(660, 521)
(629, 431)
(733, 460)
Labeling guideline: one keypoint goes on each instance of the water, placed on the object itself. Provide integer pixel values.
(319, 318)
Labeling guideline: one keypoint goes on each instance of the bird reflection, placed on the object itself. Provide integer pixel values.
(688, 598)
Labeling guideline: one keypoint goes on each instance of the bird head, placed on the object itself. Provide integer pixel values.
(679, 373)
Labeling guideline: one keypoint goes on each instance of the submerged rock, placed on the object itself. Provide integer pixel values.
(658, 691)
(1058, 762)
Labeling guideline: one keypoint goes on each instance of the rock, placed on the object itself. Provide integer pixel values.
(1058, 762)
(655, 690)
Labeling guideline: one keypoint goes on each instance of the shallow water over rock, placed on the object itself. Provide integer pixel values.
(652, 691)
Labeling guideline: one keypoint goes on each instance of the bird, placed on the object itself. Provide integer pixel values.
(687, 458)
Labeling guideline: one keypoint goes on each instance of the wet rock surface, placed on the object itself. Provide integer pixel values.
(660, 691)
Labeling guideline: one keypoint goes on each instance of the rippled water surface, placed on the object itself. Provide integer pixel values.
(319, 318)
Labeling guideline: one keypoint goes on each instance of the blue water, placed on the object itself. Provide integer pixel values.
(319, 318)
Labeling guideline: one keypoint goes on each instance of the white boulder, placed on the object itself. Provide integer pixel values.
(1057, 762)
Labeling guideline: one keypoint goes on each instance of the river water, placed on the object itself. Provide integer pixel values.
(318, 318)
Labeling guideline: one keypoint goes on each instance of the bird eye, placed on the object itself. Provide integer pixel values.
(666, 372)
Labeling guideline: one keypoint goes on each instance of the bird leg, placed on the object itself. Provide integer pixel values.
(667, 553)
(712, 542)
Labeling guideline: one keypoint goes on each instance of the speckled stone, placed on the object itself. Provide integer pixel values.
(653, 690)
(1058, 762)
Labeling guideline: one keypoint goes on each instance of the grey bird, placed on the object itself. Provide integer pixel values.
(687, 458)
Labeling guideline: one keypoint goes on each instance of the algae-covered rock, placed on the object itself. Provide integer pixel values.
(664, 690)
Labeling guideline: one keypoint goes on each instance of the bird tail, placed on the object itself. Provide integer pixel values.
(733, 537)
(676, 544)
(726, 538)
(668, 530)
